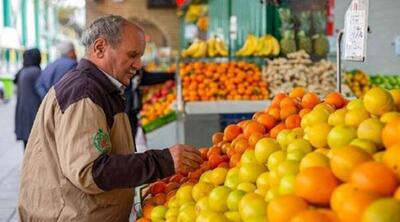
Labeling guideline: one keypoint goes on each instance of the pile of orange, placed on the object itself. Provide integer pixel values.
(250, 189)
(222, 81)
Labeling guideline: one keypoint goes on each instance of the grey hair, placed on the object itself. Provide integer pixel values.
(108, 27)
(65, 46)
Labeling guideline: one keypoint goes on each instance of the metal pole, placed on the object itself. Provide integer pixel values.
(339, 61)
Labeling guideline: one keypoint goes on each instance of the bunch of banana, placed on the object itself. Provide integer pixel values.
(249, 47)
(216, 47)
(266, 45)
(197, 49)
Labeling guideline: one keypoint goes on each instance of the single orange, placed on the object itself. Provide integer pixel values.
(241, 145)
(215, 160)
(391, 132)
(336, 99)
(147, 208)
(284, 208)
(214, 150)
(217, 137)
(277, 99)
(293, 121)
(310, 100)
(316, 184)
(288, 101)
(286, 111)
(231, 132)
(253, 127)
(297, 92)
(266, 120)
(374, 177)
(274, 112)
(354, 205)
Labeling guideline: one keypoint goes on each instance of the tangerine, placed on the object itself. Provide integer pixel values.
(309, 100)
(316, 184)
(217, 137)
(336, 99)
(374, 177)
(266, 120)
(283, 208)
(297, 92)
(391, 132)
(253, 127)
(293, 121)
(231, 132)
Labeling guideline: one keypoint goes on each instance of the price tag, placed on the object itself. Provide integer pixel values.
(355, 31)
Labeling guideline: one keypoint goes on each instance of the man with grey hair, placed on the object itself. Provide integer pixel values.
(80, 162)
(56, 70)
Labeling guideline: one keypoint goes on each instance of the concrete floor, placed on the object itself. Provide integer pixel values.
(11, 153)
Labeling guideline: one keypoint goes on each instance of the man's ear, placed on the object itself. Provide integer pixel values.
(99, 47)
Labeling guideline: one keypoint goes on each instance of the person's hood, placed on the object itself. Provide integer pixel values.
(32, 57)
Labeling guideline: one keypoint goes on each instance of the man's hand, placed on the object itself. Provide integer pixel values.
(186, 158)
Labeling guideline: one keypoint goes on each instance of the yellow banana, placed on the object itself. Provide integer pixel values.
(267, 47)
(260, 46)
(252, 46)
(249, 46)
(202, 51)
(220, 47)
(211, 47)
(276, 48)
(193, 48)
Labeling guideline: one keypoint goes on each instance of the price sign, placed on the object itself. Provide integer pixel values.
(355, 31)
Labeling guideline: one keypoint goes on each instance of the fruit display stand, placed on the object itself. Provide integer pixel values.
(320, 159)
(360, 82)
(206, 91)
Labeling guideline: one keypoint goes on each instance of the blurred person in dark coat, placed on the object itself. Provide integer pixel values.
(28, 100)
(56, 70)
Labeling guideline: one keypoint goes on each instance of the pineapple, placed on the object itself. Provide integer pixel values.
(303, 36)
(321, 43)
(288, 42)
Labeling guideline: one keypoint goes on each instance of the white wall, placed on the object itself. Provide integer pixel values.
(384, 20)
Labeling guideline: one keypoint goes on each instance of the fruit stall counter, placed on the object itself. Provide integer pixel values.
(201, 119)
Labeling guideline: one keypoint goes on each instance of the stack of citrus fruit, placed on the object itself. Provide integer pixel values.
(222, 81)
(301, 160)
(157, 101)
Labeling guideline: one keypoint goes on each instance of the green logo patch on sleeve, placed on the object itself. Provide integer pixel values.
(101, 141)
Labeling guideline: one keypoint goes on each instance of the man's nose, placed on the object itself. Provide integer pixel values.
(137, 64)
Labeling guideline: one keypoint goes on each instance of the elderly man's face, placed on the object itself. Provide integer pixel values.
(125, 59)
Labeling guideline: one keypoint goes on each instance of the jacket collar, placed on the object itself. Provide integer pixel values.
(85, 64)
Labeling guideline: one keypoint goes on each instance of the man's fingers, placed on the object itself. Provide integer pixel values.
(194, 157)
(190, 163)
